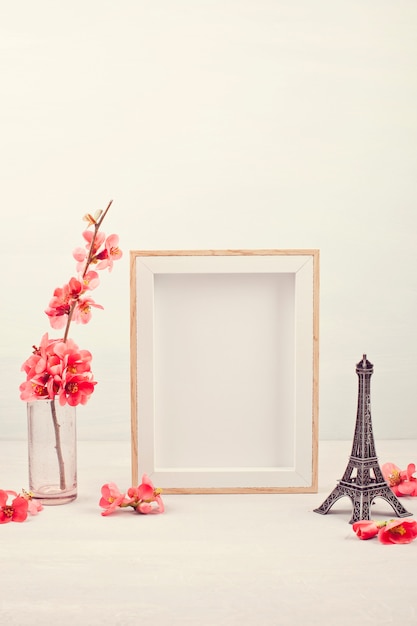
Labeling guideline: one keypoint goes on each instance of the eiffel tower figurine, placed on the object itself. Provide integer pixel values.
(365, 486)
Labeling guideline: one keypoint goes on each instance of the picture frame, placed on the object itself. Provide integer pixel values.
(224, 370)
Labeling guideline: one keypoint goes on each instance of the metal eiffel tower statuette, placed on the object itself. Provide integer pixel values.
(363, 481)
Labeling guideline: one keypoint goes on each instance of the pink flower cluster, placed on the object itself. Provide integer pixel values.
(401, 482)
(393, 531)
(143, 499)
(58, 368)
(15, 507)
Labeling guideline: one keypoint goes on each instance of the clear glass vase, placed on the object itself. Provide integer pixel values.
(52, 447)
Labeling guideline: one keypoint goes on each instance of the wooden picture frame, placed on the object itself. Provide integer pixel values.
(224, 370)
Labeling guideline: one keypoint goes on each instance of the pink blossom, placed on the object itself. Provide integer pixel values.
(110, 253)
(36, 363)
(70, 298)
(82, 310)
(111, 498)
(401, 482)
(147, 498)
(62, 297)
(98, 237)
(90, 280)
(398, 531)
(16, 511)
(33, 389)
(34, 506)
(143, 492)
(365, 529)
(60, 304)
(39, 368)
(82, 255)
(79, 254)
(76, 390)
(75, 361)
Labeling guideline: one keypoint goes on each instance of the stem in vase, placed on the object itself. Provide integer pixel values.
(61, 465)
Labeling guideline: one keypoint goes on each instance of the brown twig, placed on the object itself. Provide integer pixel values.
(61, 464)
(87, 264)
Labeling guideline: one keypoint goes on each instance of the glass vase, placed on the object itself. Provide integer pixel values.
(52, 448)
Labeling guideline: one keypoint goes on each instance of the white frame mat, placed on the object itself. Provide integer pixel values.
(224, 370)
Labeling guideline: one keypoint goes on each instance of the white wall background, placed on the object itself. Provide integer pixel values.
(214, 124)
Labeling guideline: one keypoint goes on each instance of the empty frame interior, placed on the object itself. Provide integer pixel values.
(224, 349)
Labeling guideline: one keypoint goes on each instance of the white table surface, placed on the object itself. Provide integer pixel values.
(208, 560)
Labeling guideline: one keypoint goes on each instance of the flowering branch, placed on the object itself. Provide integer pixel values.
(96, 221)
(143, 499)
(58, 368)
